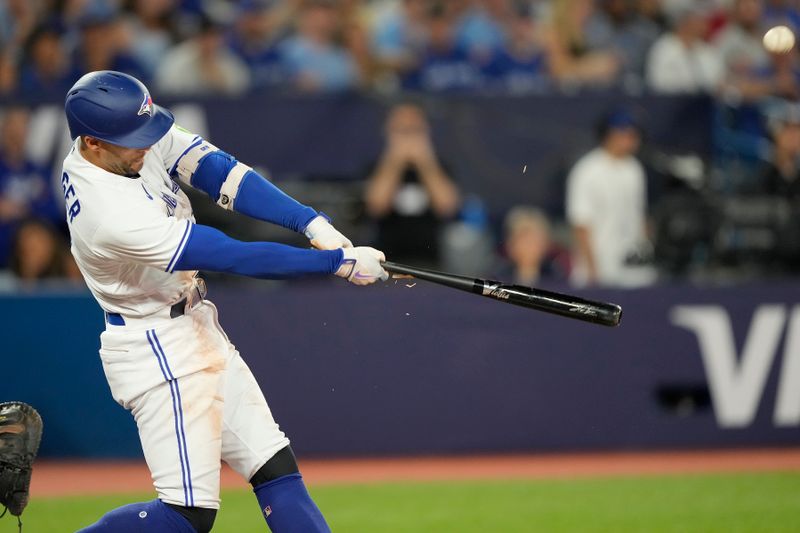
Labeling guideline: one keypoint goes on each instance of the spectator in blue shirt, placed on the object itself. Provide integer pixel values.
(444, 66)
(781, 12)
(780, 78)
(17, 21)
(522, 66)
(614, 26)
(483, 30)
(46, 68)
(313, 59)
(25, 189)
(255, 40)
(103, 47)
(398, 37)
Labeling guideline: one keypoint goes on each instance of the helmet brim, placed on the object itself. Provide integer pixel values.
(147, 135)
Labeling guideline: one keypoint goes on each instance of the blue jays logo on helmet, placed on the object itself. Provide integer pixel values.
(117, 108)
(147, 106)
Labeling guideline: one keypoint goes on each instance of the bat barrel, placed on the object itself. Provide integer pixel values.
(603, 313)
(606, 314)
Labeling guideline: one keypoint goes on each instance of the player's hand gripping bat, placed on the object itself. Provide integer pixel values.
(606, 314)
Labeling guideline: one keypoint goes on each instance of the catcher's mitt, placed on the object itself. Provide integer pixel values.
(20, 433)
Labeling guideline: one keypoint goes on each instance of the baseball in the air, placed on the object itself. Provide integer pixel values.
(779, 40)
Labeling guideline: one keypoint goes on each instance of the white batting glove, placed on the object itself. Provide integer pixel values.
(324, 236)
(362, 265)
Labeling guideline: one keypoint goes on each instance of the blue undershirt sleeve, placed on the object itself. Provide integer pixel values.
(257, 197)
(260, 199)
(210, 249)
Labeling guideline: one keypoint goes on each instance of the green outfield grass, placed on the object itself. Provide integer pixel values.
(704, 503)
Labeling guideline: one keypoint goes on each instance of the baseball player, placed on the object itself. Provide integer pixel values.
(164, 354)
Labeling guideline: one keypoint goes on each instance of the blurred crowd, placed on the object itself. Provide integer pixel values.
(188, 48)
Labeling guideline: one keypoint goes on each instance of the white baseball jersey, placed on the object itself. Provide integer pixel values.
(127, 233)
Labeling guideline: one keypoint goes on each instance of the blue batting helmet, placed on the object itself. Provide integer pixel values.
(116, 108)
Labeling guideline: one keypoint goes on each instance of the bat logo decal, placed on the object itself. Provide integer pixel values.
(495, 291)
(580, 309)
(500, 294)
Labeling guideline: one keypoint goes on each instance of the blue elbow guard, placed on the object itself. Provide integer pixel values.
(212, 171)
(210, 249)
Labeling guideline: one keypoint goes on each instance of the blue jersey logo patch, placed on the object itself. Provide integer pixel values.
(171, 202)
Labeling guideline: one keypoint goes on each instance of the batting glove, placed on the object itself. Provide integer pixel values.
(362, 265)
(324, 236)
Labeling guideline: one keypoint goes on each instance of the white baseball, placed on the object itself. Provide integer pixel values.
(779, 40)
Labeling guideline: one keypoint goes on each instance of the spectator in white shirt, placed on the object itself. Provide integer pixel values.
(202, 65)
(151, 30)
(681, 61)
(313, 56)
(606, 205)
(739, 43)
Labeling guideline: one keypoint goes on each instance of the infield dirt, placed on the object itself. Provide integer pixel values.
(71, 478)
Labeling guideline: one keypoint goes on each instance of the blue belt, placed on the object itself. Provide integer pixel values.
(178, 309)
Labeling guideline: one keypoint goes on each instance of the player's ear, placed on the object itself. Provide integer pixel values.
(90, 142)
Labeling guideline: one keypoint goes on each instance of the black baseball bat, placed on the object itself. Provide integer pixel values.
(603, 313)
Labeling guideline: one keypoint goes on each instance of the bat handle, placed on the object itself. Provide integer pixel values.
(396, 268)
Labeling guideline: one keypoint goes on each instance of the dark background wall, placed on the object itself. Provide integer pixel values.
(398, 370)
(485, 141)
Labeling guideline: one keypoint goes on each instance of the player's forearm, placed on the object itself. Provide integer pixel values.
(259, 198)
(210, 249)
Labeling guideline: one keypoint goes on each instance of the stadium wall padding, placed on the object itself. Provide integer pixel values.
(392, 369)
